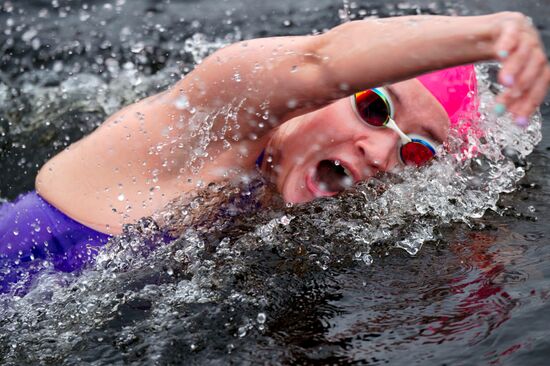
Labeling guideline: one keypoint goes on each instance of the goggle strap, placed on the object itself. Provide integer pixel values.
(392, 125)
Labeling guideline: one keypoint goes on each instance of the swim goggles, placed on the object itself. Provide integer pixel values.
(375, 108)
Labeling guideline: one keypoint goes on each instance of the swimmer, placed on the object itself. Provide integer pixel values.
(314, 114)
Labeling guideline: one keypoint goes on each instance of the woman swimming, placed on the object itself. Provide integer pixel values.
(282, 105)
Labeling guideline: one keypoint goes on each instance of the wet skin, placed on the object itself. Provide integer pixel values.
(336, 132)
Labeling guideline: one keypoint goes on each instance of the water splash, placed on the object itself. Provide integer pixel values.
(224, 271)
(345, 14)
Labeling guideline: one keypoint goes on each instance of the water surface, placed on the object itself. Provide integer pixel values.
(321, 284)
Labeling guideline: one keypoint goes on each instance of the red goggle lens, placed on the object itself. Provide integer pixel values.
(372, 108)
(416, 153)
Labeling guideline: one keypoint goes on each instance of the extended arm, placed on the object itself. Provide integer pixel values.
(289, 75)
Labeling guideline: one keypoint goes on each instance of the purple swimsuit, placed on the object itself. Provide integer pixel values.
(32, 231)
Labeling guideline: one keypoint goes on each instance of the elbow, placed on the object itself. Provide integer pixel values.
(319, 63)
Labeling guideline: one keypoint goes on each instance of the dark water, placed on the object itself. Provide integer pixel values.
(479, 293)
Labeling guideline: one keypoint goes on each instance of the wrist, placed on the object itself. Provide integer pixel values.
(482, 33)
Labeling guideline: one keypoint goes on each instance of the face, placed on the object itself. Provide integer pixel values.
(323, 152)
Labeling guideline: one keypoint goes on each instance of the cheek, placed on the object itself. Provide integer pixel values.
(327, 132)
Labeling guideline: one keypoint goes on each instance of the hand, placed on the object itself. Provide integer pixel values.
(525, 70)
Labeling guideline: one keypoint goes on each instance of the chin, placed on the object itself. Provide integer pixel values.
(296, 195)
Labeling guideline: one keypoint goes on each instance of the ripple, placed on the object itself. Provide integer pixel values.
(199, 298)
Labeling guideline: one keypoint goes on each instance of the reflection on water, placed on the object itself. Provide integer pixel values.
(326, 282)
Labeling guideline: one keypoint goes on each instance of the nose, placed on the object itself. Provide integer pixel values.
(379, 150)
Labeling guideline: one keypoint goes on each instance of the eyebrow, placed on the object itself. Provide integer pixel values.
(393, 94)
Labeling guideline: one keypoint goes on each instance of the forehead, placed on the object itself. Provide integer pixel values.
(417, 109)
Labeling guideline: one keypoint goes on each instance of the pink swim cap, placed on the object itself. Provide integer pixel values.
(456, 91)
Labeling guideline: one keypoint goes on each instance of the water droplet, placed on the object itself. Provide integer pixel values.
(30, 34)
(138, 47)
(182, 102)
(347, 182)
(367, 259)
(15, 232)
(241, 332)
(261, 318)
(121, 197)
(285, 220)
(57, 66)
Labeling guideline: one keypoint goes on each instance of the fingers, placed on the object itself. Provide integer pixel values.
(515, 63)
(525, 71)
(507, 41)
(534, 70)
(525, 79)
(526, 105)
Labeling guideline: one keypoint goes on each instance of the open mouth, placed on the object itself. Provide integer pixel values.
(332, 177)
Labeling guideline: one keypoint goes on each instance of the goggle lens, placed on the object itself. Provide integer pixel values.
(416, 153)
(372, 108)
